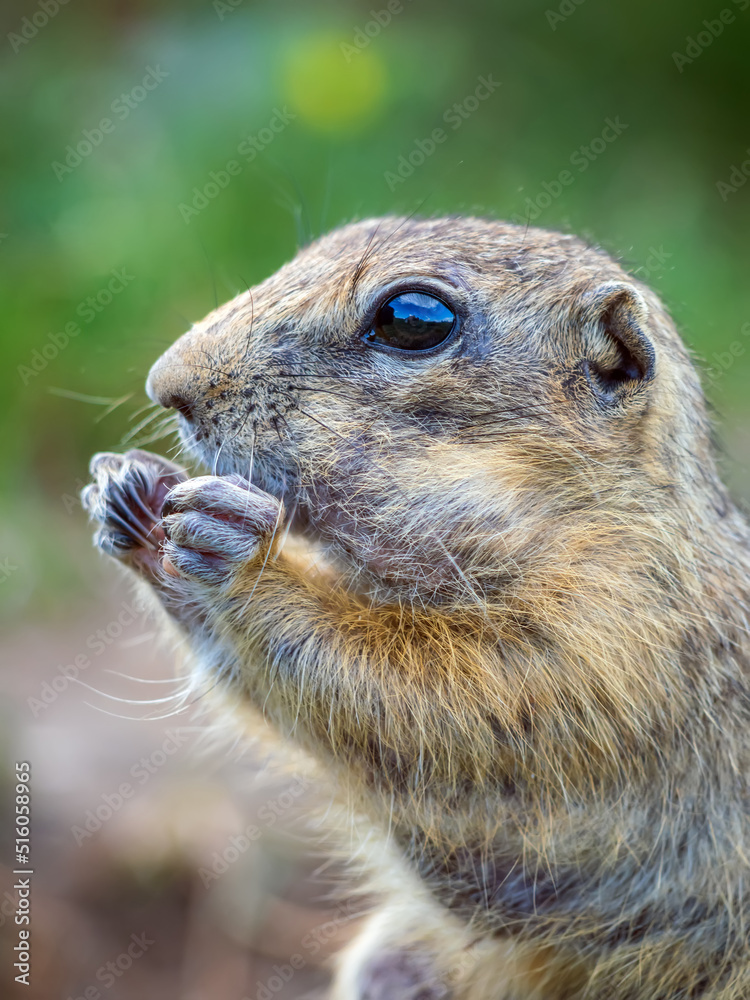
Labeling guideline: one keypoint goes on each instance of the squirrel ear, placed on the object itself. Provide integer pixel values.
(619, 353)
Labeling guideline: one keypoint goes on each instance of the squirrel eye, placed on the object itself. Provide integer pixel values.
(412, 321)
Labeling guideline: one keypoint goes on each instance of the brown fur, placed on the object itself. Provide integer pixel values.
(524, 647)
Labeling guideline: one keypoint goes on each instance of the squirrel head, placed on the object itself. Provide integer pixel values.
(439, 401)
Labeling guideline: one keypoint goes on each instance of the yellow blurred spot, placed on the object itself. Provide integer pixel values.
(330, 88)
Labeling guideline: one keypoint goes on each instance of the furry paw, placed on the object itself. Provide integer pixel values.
(216, 527)
(126, 499)
(400, 975)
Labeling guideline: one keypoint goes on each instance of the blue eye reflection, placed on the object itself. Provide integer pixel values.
(412, 321)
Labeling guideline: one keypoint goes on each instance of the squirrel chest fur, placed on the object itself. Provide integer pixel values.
(514, 619)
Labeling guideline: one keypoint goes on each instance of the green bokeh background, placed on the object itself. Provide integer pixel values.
(651, 197)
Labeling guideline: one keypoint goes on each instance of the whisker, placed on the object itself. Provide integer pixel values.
(288, 527)
(117, 715)
(142, 409)
(81, 397)
(224, 441)
(141, 442)
(381, 469)
(194, 364)
(144, 680)
(167, 427)
(142, 424)
(110, 404)
(252, 454)
(131, 701)
(328, 392)
(370, 249)
(252, 324)
(265, 561)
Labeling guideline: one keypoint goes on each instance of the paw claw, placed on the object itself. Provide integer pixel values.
(126, 499)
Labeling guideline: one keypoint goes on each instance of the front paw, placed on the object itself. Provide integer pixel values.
(126, 500)
(217, 528)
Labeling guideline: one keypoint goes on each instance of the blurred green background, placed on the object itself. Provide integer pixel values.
(158, 157)
(334, 96)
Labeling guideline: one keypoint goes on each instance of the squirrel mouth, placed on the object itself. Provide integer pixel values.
(263, 471)
(315, 521)
(265, 468)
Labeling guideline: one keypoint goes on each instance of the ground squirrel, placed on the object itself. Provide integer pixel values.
(515, 620)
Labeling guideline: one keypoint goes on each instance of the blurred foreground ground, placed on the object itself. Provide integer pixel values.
(152, 836)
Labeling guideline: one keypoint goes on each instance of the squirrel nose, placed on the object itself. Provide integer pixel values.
(162, 390)
(179, 403)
